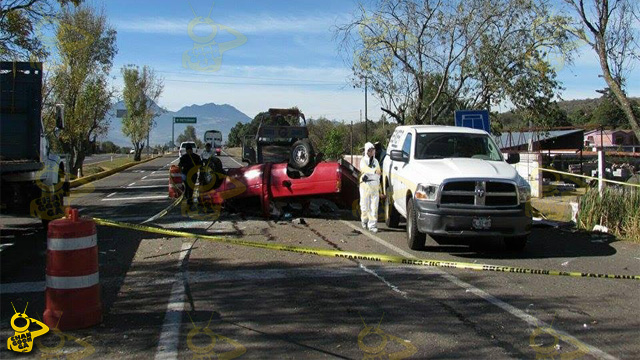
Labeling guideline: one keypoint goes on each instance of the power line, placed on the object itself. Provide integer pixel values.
(247, 83)
(245, 77)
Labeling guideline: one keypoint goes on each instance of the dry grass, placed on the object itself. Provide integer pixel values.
(617, 209)
(234, 151)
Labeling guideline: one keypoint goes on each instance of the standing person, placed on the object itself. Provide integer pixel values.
(207, 153)
(187, 163)
(211, 164)
(206, 156)
(369, 188)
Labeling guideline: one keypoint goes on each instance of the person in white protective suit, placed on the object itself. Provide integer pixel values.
(369, 188)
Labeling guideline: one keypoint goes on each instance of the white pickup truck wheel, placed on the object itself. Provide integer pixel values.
(415, 239)
(391, 215)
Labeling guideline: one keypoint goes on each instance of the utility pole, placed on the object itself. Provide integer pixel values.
(366, 129)
(351, 151)
(148, 133)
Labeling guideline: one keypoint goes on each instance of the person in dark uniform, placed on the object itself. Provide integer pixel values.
(187, 163)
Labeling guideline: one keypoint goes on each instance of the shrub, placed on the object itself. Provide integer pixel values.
(617, 209)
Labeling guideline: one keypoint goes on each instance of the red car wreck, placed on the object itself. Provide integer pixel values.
(284, 168)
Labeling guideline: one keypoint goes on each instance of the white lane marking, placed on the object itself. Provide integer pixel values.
(137, 198)
(113, 193)
(531, 320)
(146, 187)
(170, 335)
(175, 161)
(158, 175)
(231, 157)
(155, 179)
(390, 285)
(144, 177)
(133, 183)
(92, 183)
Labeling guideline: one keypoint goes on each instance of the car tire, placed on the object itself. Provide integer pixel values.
(391, 215)
(302, 154)
(516, 243)
(415, 239)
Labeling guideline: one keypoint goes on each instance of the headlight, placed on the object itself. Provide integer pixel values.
(524, 193)
(427, 192)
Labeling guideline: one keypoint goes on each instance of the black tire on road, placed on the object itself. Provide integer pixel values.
(391, 215)
(415, 239)
(516, 243)
(302, 154)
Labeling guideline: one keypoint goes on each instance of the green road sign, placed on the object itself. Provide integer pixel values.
(185, 120)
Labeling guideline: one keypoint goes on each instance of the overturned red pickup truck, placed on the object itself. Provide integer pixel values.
(283, 167)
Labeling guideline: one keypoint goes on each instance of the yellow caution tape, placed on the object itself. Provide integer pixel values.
(383, 258)
(165, 211)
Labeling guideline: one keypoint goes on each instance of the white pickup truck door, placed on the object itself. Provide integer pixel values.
(400, 176)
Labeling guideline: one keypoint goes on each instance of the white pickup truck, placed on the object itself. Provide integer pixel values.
(453, 182)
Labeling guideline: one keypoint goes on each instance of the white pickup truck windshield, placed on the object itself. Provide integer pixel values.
(452, 145)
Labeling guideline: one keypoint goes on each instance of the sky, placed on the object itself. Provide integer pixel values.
(291, 56)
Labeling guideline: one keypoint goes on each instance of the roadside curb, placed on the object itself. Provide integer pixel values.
(104, 174)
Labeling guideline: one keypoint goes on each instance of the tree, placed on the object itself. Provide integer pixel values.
(610, 28)
(20, 21)
(109, 147)
(240, 130)
(235, 137)
(189, 134)
(142, 88)
(608, 113)
(425, 59)
(86, 47)
(332, 144)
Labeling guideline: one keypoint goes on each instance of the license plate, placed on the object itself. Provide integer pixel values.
(481, 223)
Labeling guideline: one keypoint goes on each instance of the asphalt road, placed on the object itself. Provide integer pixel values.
(191, 298)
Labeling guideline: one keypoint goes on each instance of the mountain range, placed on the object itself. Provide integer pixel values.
(209, 116)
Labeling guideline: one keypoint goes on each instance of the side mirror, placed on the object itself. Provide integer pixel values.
(60, 116)
(399, 155)
(513, 158)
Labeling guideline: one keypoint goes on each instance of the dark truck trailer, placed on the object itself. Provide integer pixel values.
(20, 126)
(31, 176)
